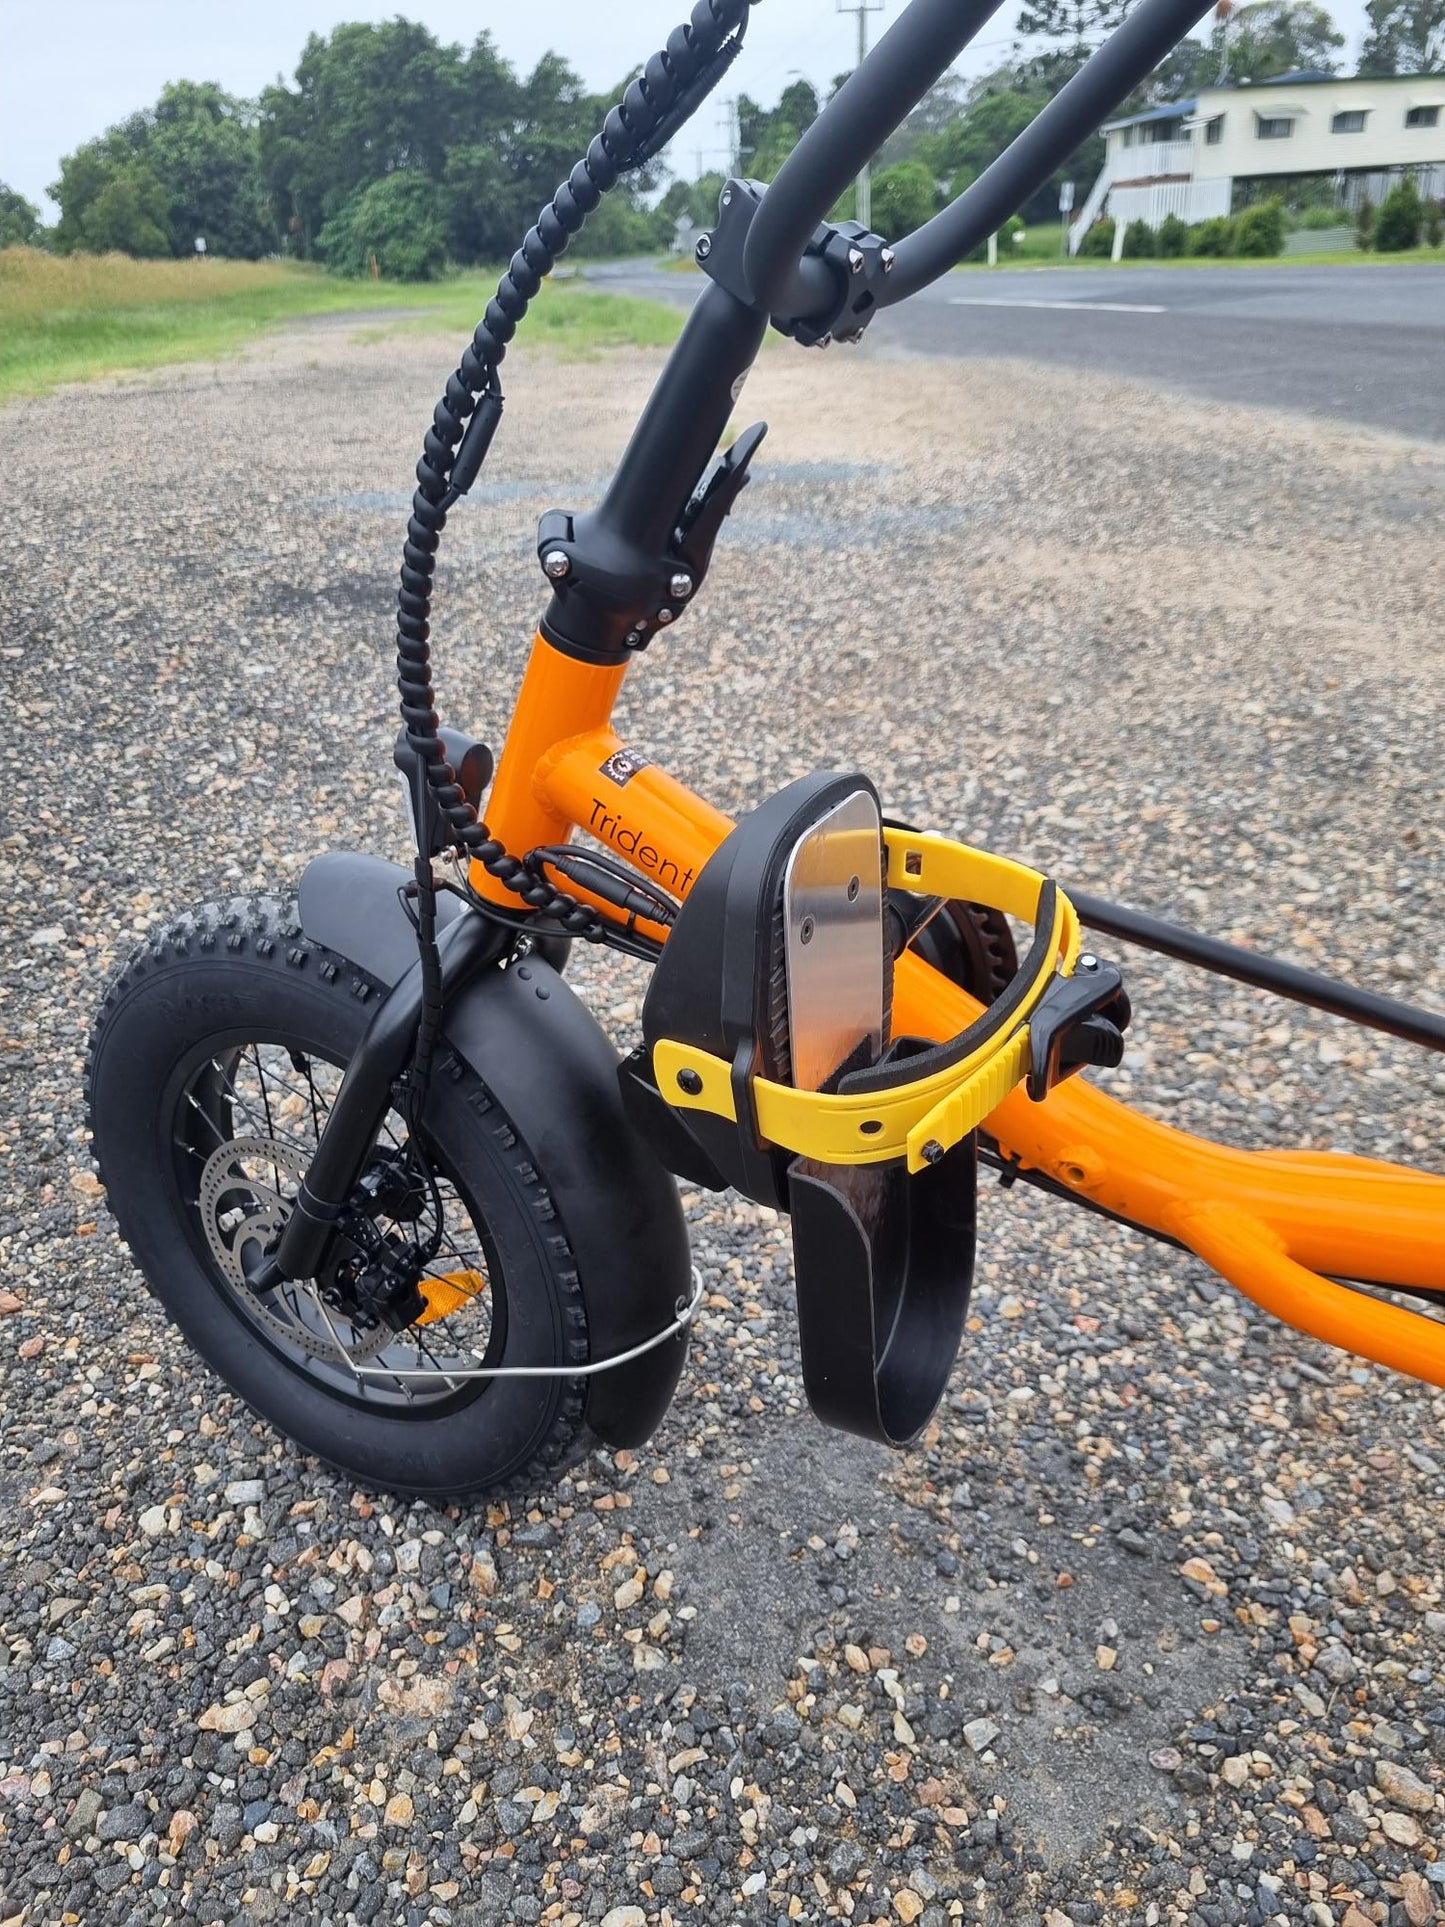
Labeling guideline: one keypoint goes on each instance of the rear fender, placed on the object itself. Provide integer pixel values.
(541, 1055)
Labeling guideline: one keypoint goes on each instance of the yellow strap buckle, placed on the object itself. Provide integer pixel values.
(923, 1117)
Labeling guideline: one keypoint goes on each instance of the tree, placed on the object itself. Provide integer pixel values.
(767, 135)
(1405, 37)
(187, 166)
(1000, 106)
(201, 146)
(1072, 29)
(1272, 37)
(904, 197)
(19, 220)
(399, 222)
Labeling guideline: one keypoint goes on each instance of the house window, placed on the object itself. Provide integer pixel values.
(1349, 123)
(1128, 137)
(1214, 131)
(1273, 127)
(1422, 116)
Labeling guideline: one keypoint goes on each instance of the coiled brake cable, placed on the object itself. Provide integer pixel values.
(670, 89)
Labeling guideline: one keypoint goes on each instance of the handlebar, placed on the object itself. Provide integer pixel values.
(876, 97)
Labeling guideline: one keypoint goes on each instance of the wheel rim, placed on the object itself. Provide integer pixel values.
(245, 1123)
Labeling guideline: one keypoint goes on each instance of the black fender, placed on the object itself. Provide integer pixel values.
(550, 1066)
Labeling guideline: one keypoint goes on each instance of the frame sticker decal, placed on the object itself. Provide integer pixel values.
(623, 764)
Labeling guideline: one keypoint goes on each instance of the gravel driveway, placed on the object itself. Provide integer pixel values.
(1152, 1626)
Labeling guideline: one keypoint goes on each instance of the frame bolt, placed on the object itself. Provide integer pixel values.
(690, 1082)
(679, 586)
(855, 261)
(556, 564)
(666, 615)
(704, 247)
(1088, 962)
(932, 1152)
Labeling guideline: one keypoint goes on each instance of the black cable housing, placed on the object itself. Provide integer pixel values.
(670, 87)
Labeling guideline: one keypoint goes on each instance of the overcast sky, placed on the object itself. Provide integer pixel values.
(69, 70)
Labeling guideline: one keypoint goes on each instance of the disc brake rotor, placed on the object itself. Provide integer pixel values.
(243, 1215)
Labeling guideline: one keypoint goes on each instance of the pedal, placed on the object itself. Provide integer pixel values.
(768, 1065)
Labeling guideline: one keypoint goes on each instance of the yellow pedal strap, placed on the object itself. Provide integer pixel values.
(907, 1107)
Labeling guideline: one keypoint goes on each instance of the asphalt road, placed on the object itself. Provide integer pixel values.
(1363, 344)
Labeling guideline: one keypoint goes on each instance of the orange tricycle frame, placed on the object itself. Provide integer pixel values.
(1283, 1227)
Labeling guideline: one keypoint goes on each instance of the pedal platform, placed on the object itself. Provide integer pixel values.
(768, 1064)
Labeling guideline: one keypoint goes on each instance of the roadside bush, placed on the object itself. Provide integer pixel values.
(904, 197)
(1173, 237)
(1434, 221)
(1317, 219)
(1210, 237)
(1400, 219)
(399, 221)
(1008, 248)
(1365, 223)
(1259, 230)
(1139, 242)
(1099, 240)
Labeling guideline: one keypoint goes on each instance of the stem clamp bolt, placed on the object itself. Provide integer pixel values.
(556, 564)
(704, 247)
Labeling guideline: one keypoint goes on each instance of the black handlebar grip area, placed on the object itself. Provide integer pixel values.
(920, 46)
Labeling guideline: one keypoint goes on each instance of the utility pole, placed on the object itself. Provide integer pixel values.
(862, 8)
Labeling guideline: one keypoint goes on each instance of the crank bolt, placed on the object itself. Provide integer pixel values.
(680, 586)
(690, 1082)
(933, 1152)
(556, 565)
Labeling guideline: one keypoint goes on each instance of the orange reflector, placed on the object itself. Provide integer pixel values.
(443, 1295)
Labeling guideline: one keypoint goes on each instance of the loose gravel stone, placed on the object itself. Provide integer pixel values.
(1187, 656)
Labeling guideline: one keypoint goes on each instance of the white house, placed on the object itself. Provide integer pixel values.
(1184, 158)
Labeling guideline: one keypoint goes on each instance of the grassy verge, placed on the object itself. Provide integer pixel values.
(577, 322)
(75, 317)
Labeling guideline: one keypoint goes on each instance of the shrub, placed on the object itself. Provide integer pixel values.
(1210, 237)
(1316, 219)
(1259, 230)
(1139, 241)
(1400, 218)
(1364, 223)
(1434, 220)
(904, 197)
(399, 222)
(1099, 240)
(1008, 248)
(1173, 237)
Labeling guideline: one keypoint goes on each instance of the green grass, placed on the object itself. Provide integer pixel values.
(72, 318)
(575, 321)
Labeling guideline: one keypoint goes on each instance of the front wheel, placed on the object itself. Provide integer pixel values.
(214, 1061)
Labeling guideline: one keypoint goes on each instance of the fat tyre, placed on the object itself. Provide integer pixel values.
(236, 971)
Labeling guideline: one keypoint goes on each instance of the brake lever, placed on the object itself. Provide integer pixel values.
(711, 504)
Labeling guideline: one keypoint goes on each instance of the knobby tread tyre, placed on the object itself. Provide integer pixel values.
(208, 977)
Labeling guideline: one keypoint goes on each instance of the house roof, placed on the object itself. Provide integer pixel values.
(1171, 110)
(1299, 77)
